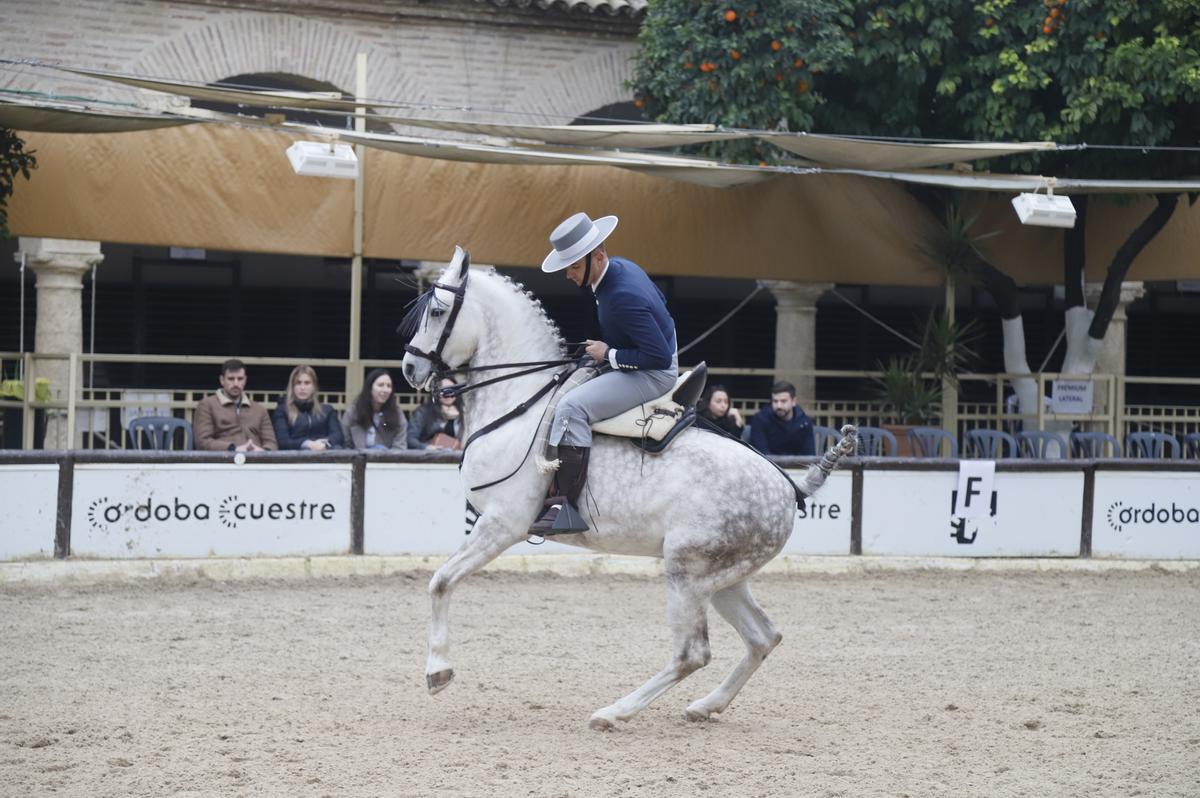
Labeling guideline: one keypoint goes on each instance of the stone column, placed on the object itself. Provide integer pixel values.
(796, 334)
(1112, 356)
(59, 265)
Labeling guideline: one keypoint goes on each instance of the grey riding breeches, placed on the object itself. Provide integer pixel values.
(608, 395)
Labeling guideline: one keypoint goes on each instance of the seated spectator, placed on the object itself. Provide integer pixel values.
(714, 406)
(301, 423)
(782, 427)
(375, 420)
(437, 424)
(228, 420)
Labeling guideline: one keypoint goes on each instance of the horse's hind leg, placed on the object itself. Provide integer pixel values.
(488, 540)
(688, 618)
(737, 606)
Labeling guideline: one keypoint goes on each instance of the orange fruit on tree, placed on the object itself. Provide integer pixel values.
(731, 16)
(989, 23)
(1046, 29)
(1054, 12)
(735, 55)
(639, 103)
(776, 45)
(687, 64)
(798, 63)
(802, 86)
(779, 76)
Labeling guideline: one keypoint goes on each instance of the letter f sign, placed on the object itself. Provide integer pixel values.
(975, 479)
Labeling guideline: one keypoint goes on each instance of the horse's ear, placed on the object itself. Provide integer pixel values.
(466, 264)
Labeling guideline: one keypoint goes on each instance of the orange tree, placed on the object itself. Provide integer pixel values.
(1117, 73)
(14, 160)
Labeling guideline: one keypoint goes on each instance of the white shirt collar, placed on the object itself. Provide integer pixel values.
(603, 274)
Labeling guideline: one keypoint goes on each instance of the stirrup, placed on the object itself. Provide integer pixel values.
(568, 520)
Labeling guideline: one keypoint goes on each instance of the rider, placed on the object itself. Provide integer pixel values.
(638, 343)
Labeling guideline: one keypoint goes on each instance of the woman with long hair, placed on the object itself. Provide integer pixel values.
(300, 422)
(375, 420)
(437, 424)
(714, 406)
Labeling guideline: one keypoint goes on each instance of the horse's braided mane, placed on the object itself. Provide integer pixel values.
(517, 288)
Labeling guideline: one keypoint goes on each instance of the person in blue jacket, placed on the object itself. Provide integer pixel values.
(301, 423)
(638, 342)
(782, 427)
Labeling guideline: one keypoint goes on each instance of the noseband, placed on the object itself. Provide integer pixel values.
(441, 367)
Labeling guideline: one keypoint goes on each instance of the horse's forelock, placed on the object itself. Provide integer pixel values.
(414, 313)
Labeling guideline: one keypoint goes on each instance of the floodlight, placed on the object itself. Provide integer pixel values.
(1045, 210)
(318, 159)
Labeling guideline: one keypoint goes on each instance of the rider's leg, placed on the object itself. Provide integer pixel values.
(608, 395)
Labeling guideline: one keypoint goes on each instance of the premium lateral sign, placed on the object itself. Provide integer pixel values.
(206, 509)
(1138, 514)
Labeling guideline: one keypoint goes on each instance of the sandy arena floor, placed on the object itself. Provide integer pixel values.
(917, 684)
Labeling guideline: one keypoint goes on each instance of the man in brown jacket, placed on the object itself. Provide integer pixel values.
(229, 421)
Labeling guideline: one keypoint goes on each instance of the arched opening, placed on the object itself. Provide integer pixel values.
(280, 81)
(612, 114)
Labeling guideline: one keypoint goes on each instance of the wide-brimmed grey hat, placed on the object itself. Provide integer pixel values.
(576, 237)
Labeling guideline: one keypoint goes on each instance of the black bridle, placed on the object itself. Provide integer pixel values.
(443, 369)
(440, 366)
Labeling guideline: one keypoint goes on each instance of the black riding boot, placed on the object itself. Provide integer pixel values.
(562, 512)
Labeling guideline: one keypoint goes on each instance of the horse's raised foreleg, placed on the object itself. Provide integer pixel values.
(688, 618)
(488, 540)
(737, 606)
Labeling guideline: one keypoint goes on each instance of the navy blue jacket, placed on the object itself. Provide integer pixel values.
(634, 319)
(306, 428)
(772, 435)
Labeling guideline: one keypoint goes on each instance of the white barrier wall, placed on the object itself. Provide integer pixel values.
(28, 510)
(210, 509)
(1146, 515)
(1033, 514)
(825, 523)
(135, 506)
(420, 508)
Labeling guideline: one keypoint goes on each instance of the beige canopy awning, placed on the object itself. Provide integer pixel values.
(228, 188)
(862, 153)
(60, 117)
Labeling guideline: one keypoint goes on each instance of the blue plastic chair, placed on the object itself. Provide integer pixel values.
(989, 444)
(1090, 445)
(1152, 445)
(825, 438)
(159, 432)
(927, 442)
(1040, 445)
(1191, 446)
(872, 440)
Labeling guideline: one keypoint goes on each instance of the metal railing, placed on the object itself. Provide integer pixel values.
(97, 417)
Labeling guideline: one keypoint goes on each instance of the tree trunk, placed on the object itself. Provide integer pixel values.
(1085, 329)
(1003, 290)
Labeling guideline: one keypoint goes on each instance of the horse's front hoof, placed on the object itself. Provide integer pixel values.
(436, 682)
(696, 714)
(598, 723)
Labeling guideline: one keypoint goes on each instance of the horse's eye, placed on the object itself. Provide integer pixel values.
(435, 312)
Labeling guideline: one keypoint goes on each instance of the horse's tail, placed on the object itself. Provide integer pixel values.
(816, 475)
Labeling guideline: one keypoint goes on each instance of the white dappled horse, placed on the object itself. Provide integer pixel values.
(712, 509)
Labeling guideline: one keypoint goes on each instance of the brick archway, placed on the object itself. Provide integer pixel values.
(248, 43)
(589, 82)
